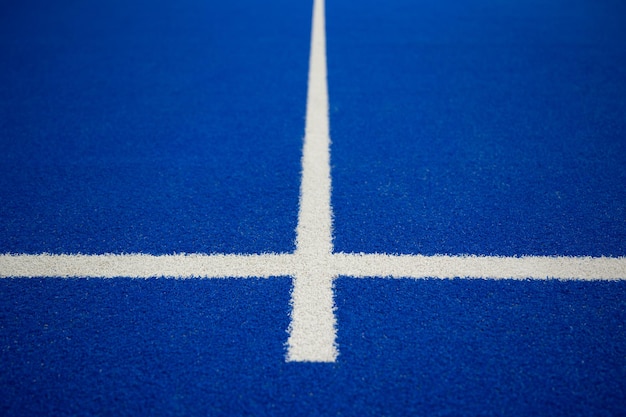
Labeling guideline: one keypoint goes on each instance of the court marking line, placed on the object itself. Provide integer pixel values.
(354, 265)
(313, 266)
(312, 329)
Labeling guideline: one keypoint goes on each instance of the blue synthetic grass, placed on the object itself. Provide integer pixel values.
(479, 127)
(152, 127)
(198, 347)
(484, 127)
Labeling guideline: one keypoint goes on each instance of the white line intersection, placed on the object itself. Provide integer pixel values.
(314, 265)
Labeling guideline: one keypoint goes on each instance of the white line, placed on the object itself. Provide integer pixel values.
(189, 266)
(146, 266)
(313, 266)
(314, 231)
(312, 331)
(480, 267)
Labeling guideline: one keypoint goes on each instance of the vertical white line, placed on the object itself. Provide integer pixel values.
(314, 232)
(312, 331)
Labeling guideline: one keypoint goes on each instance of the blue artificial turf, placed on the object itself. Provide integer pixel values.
(139, 347)
(480, 127)
(151, 127)
(215, 347)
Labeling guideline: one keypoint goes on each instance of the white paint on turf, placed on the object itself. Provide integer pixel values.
(314, 231)
(312, 331)
(190, 266)
(313, 266)
(582, 268)
(146, 266)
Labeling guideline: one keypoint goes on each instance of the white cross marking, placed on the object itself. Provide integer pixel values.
(313, 265)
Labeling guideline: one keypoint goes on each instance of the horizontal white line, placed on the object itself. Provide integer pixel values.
(146, 266)
(338, 264)
(483, 267)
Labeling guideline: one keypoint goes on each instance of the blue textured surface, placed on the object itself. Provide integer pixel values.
(200, 347)
(481, 127)
(151, 126)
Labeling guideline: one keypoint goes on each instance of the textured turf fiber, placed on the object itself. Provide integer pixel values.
(215, 347)
(152, 127)
(483, 127)
(477, 127)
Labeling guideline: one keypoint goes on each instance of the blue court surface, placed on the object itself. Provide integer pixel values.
(168, 245)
